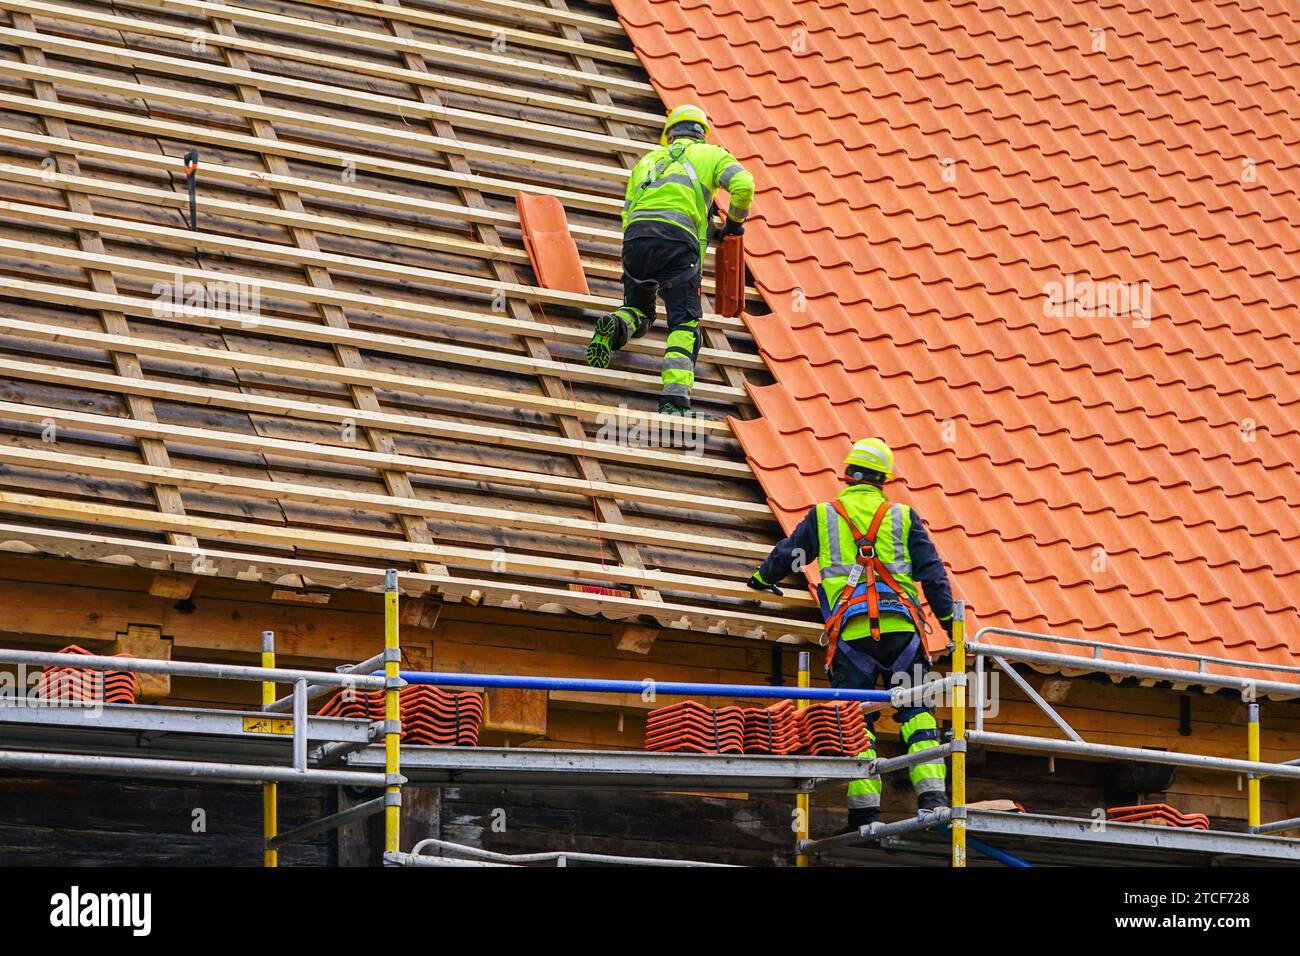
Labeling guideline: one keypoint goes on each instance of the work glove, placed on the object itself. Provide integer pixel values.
(758, 584)
(734, 227)
(946, 624)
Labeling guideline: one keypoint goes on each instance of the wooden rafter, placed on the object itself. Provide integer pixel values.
(608, 510)
(414, 526)
(152, 450)
(716, 339)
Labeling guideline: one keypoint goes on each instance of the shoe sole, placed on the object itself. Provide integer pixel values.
(598, 352)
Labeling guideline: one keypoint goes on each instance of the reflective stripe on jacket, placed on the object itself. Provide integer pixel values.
(675, 184)
(838, 550)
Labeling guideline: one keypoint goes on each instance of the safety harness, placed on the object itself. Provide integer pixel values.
(677, 157)
(867, 569)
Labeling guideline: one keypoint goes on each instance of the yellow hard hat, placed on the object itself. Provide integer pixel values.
(684, 114)
(871, 454)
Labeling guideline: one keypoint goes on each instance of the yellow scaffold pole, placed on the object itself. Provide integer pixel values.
(392, 718)
(959, 735)
(803, 802)
(270, 796)
(1252, 753)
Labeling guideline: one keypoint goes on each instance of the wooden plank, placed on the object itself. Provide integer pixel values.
(379, 231)
(444, 81)
(370, 39)
(350, 193)
(516, 9)
(454, 429)
(316, 371)
(387, 549)
(166, 272)
(318, 153)
(254, 249)
(366, 133)
(311, 91)
(310, 451)
(477, 28)
(210, 205)
(384, 232)
(756, 624)
(44, 458)
(91, 604)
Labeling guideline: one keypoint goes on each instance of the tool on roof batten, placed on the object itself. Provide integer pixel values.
(191, 183)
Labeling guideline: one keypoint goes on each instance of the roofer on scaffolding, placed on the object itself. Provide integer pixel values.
(666, 229)
(874, 628)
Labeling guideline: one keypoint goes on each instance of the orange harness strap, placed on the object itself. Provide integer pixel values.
(872, 567)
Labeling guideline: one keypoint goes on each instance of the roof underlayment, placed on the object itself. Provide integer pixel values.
(942, 187)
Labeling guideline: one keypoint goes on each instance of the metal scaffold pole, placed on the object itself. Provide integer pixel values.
(1253, 815)
(270, 794)
(392, 717)
(803, 802)
(959, 735)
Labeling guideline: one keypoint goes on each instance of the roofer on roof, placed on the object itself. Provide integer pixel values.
(872, 553)
(665, 232)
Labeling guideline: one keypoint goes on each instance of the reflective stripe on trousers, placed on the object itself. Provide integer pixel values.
(865, 792)
(678, 370)
(920, 731)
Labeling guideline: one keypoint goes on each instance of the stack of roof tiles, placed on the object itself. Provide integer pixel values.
(430, 716)
(690, 727)
(833, 729)
(85, 686)
(772, 730)
(1158, 814)
(826, 729)
(946, 189)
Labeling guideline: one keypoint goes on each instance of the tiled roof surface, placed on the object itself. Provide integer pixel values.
(926, 169)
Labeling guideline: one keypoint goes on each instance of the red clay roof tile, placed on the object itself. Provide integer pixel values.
(926, 171)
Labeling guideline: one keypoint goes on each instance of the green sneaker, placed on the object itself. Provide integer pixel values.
(602, 340)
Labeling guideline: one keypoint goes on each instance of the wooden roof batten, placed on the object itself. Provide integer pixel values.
(48, 316)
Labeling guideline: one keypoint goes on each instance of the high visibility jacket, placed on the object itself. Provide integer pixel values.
(838, 550)
(675, 184)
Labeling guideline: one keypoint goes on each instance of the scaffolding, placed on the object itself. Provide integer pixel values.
(1055, 838)
(282, 743)
(106, 739)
